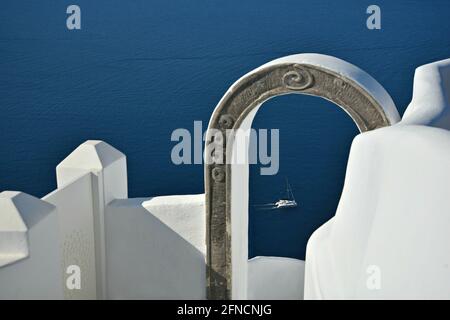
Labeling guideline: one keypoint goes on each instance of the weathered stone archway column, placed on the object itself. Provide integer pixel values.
(362, 97)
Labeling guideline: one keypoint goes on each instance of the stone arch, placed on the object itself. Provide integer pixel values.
(356, 92)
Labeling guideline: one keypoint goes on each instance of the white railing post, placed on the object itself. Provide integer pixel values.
(109, 181)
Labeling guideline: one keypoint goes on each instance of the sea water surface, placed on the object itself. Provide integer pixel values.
(139, 69)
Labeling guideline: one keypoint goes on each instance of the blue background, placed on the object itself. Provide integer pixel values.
(139, 69)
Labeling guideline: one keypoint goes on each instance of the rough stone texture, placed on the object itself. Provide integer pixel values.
(247, 93)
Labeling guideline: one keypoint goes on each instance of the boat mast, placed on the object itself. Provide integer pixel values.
(290, 194)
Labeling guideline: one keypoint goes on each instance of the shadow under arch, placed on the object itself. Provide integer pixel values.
(349, 87)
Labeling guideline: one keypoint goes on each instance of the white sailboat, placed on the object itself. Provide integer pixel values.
(284, 203)
(289, 201)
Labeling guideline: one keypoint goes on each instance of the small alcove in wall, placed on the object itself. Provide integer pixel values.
(227, 184)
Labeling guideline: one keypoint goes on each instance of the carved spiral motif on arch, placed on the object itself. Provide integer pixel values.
(218, 174)
(298, 79)
(226, 121)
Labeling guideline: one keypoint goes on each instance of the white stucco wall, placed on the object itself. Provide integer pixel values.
(37, 274)
(107, 168)
(72, 234)
(393, 214)
(156, 248)
(74, 201)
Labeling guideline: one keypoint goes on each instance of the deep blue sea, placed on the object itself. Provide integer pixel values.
(139, 69)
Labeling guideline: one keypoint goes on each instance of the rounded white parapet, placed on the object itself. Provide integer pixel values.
(430, 105)
(389, 238)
